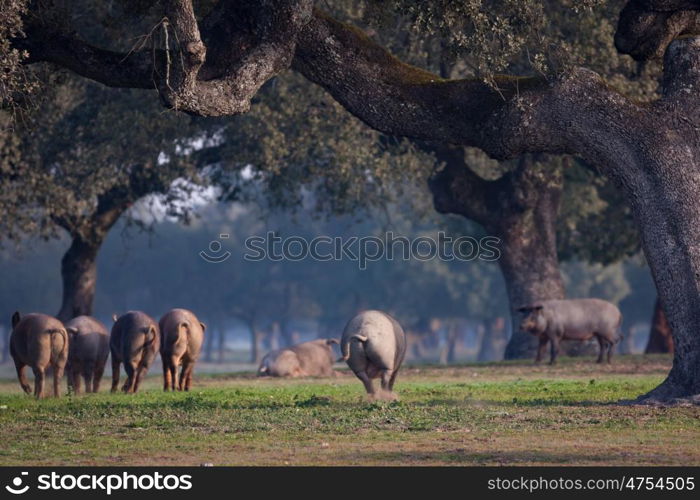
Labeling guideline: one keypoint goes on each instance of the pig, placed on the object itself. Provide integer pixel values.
(308, 359)
(575, 319)
(38, 341)
(134, 341)
(181, 338)
(87, 352)
(374, 345)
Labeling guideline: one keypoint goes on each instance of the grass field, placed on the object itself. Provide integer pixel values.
(503, 413)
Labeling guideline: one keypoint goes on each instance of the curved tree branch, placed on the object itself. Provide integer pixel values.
(216, 70)
(203, 74)
(647, 27)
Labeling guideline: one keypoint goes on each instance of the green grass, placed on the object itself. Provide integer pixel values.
(511, 413)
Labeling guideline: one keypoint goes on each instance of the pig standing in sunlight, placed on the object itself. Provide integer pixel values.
(374, 345)
(39, 341)
(182, 336)
(574, 319)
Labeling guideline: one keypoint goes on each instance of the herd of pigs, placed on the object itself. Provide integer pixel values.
(373, 344)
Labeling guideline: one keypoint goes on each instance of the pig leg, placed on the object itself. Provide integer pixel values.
(166, 375)
(115, 374)
(57, 376)
(188, 381)
(393, 379)
(186, 375)
(88, 370)
(554, 350)
(74, 377)
(369, 387)
(602, 344)
(183, 376)
(97, 376)
(21, 375)
(140, 374)
(611, 346)
(387, 376)
(175, 382)
(39, 376)
(130, 370)
(541, 349)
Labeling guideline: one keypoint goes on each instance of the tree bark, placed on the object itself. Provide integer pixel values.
(660, 337)
(529, 259)
(79, 275)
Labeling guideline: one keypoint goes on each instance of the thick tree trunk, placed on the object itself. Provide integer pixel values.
(255, 338)
(520, 209)
(79, 275)
(493, 341)
(221, 348)
(660, 337)
(669, 215)
(530, 266)
(454, 337)
(5, 344)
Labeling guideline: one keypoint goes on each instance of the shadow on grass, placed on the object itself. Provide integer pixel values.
(526, 403)
(463, 456)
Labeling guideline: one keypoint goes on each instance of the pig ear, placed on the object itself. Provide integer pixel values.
(204, 326)
(332, 341)
(114, 317)
(15, 318)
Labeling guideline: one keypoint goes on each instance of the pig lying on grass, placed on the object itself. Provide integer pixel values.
(308, 359)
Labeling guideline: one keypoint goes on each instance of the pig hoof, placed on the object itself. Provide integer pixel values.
(385, 396)
(391, 397)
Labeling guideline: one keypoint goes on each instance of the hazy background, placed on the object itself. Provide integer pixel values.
(453, 311)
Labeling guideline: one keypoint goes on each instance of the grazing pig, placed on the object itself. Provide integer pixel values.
(181, 338)
(576, 319)
(134, 341)
(87, 353)
(38, 341)
(374, 345)
(308, 359)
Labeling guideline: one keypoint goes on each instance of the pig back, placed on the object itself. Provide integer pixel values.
(91, 342)
(171, 325)
(582, 316)
(134, 334)
(39, 339)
